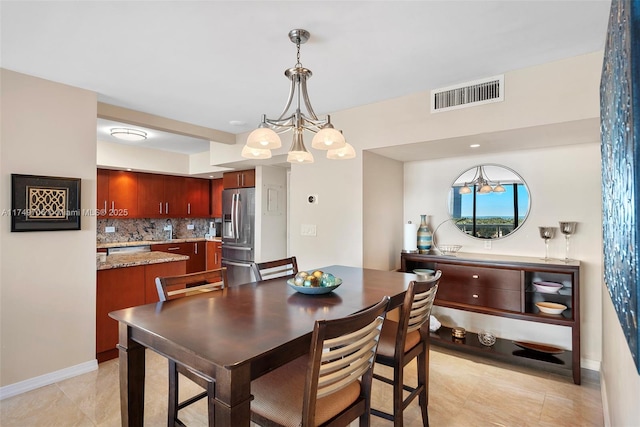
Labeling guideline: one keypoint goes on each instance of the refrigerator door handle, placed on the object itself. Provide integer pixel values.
(237, 216)
(233, 216)
(236, 264)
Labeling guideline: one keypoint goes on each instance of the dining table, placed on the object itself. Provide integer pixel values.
(235, 335)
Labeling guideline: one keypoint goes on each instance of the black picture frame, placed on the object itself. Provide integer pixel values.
(44, 203)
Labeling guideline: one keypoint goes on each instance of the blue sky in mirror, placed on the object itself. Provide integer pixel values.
(496, 204)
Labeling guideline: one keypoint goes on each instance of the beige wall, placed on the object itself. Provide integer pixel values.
(47, 279)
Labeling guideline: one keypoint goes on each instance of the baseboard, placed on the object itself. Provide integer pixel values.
(605, 402)
(592, 365)
(46, 379)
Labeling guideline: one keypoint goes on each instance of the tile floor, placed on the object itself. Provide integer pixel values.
(464, 391)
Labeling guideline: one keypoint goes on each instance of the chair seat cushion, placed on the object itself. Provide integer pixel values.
(387, 343)
(278, 396)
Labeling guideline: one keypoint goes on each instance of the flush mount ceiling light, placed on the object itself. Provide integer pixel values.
(128, 134)
(266, 137)
(482, 183)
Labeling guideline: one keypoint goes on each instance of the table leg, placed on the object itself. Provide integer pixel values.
(132, 367)
(233, 397)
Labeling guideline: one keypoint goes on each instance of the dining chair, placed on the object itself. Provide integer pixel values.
(329, 386)
(171, 287)
(404, 340)
(277, 268)
(179, 286)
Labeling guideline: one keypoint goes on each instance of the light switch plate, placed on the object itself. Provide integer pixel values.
(109, 229)
(308, 229)
(487, 244)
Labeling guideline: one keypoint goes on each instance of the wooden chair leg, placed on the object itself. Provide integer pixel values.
(423, 382)
(211, 395)
(398, 400)
(172, 415)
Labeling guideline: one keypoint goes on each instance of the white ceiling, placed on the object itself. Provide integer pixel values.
(211, 63)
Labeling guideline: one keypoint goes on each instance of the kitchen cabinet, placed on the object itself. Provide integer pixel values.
(198, 195)
(161, 196)
(239, 179)
(117, 194)
(503, 286)
(214, 255)
(216, 198)
(119, 288)
(196, 251)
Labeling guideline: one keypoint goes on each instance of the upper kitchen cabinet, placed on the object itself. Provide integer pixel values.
(161, 196)
(117, 194)
(197, 197)
(239, 179)
(216, 198)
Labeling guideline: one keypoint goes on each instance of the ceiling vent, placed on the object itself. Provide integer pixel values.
(469, 94)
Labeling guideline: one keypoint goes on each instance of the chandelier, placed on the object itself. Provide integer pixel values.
(265, 138)
(482, 183)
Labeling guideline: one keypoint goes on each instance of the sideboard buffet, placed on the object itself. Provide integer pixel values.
(503, 286)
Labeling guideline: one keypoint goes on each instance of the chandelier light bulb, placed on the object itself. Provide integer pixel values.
(465, 190)
(328, 138)
(344, 153)
(255, 153)
(499, 188)
(264, 138)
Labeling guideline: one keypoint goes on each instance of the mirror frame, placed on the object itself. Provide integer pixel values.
(518, 183)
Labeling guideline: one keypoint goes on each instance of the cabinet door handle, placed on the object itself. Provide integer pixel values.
(189, 208)
(195, 248)
(243, 180)
(215, 257)
(160, 207)
(173, 249)
(475, 295)
(166, 208)
(475, 276)
(238, 179)
(113, 206)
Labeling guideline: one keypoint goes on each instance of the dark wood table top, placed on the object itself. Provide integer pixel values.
(238, 334)
(244, 322)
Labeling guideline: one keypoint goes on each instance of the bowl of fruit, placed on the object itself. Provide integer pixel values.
(314, 282)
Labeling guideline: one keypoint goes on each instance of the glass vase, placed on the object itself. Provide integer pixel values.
(425, 237)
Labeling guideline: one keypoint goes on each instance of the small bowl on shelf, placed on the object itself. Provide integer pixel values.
(449, 249)
(486, 338)
(547, 287)
(551, 307)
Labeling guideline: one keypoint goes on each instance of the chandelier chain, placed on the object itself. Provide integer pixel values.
(298, 63)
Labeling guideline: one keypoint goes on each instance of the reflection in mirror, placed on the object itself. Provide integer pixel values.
(489, 201)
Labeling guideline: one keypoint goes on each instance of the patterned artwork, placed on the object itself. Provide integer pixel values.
(46, 203)
(620, 132)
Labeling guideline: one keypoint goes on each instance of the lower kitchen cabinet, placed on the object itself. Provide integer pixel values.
(196, 251)
(214, 255)
(119, 288)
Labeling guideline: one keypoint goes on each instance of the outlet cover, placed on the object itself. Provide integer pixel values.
(308, 230)
(190, 226)
(487, 244)
(109, 229)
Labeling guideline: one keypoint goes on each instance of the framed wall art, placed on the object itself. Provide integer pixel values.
(620, 132)
(44, 203)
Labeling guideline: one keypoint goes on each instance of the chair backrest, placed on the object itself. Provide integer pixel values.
(277, 268)
(172, 287)
(424, 293)
(342, 351)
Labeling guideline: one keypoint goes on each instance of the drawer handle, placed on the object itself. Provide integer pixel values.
(173, 249)
(475, 276)
(475, 295)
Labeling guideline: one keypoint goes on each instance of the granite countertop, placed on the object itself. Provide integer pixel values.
(138, 258)
(153, 242)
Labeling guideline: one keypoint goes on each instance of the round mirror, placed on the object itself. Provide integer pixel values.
(489, 201)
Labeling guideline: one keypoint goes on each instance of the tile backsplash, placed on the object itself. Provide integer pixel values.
(131, 230)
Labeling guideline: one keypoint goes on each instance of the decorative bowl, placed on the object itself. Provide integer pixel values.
(449, 249)
(314, 290)
(551, 307)
(423, 273)
(547, 287)
(486, 338)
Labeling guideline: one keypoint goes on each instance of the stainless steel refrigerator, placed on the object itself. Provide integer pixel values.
(238, 230)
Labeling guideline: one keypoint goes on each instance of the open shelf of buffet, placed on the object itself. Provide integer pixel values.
(501, 285)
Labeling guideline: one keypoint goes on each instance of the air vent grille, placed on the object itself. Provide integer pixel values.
(468, 94)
